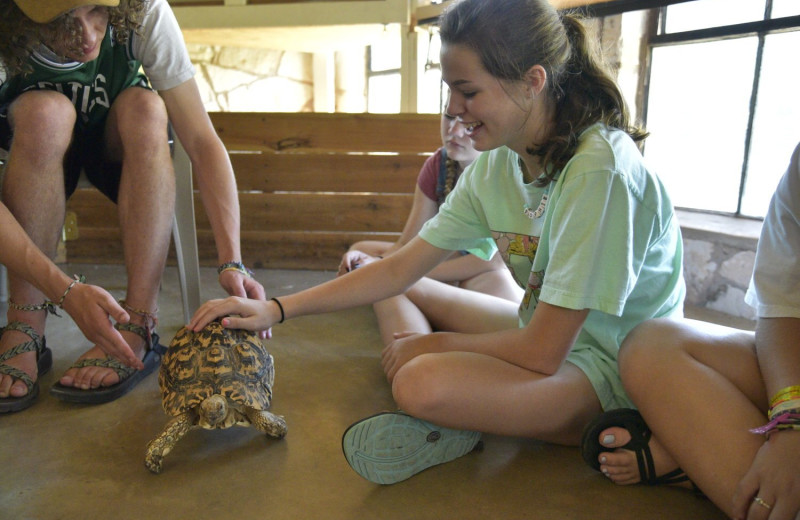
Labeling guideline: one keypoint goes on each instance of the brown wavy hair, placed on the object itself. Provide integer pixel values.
(511, 36)
(20, 36)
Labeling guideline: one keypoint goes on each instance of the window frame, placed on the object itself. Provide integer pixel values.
(372, 73)
(759, 29)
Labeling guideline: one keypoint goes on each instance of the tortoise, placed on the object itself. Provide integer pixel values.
(214, 379)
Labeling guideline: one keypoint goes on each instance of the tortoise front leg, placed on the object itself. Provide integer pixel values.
(269, 423)
(159, 447)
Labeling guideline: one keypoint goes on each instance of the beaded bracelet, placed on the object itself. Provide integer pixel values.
(47, 305)
(788, 406)
(78, 278)
(283, 316)
(234, 266)
(786, 421)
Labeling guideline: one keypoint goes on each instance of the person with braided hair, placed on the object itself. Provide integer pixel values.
(563, 193)
(94, 87)
(426, 305)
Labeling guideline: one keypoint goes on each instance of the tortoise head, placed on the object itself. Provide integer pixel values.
(213, 411)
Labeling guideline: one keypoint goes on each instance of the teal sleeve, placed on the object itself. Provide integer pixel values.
(460, 224)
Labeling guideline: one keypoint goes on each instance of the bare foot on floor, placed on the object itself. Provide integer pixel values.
(621, 466)
(11, 386)
(91, 377)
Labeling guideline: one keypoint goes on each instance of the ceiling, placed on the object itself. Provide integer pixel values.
(305, 26)
(318, 26)
(299, 39)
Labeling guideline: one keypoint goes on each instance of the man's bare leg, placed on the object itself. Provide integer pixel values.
(33, 190)
(137, 131)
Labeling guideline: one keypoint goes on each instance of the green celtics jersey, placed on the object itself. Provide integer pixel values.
(91, 86)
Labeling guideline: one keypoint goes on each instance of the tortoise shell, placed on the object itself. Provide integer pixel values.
(230, 362)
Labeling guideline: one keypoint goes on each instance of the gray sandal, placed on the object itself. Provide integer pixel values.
(44, 361)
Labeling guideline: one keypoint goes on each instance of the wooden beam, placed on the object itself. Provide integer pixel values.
(428, 14)
(304, 14)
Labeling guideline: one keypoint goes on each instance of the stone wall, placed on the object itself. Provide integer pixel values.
(236, 79)
(718, 265)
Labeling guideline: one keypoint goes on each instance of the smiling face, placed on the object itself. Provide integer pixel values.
(92, 22)
(494, 112)
(456, 142)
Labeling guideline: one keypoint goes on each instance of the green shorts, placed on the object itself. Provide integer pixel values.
(603, 374)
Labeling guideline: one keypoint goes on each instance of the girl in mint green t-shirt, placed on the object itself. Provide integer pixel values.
(562, 192)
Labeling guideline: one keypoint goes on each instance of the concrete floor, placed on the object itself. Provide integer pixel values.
(61, 461)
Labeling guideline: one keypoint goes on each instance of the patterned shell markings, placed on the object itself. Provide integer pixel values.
(233, 363)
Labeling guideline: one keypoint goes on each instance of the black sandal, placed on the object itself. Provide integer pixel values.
(128, 377)
(632, 421)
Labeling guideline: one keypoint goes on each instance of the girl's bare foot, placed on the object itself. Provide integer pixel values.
(619, 444)
(621, 466)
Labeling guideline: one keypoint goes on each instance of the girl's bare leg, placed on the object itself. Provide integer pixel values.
(397, 315)
(459, 310)
(476, 392)
(496, 282)
(699, 388)
(432, 305)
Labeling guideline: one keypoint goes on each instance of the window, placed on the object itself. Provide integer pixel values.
(384, 76)
(721, 105)
(383, 72)
(431, 95)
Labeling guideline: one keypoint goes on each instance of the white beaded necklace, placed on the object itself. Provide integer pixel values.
(527, 210)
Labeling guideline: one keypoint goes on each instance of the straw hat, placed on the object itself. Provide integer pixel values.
(43, 11)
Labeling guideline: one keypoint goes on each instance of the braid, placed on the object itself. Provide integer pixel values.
(453, 168)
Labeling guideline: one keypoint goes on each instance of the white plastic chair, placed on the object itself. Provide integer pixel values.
(184, 235)
(184, 232)
(3, 284)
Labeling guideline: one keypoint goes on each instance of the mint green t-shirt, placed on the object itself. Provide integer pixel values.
(602, 237)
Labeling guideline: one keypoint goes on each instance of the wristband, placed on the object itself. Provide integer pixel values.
(786, 394)
(788, 406)
(234, 266)
(78, 278)
(786, 421)
(283, 316)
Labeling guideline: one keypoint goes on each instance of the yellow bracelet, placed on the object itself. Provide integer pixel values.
(788, 393)
(237, 270)
(235, 266)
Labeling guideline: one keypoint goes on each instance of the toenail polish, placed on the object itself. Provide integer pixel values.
(602, 460)
(608, 439)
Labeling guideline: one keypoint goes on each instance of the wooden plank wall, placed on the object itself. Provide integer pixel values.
(309, 185)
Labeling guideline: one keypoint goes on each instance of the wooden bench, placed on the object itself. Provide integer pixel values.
(309, 184)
